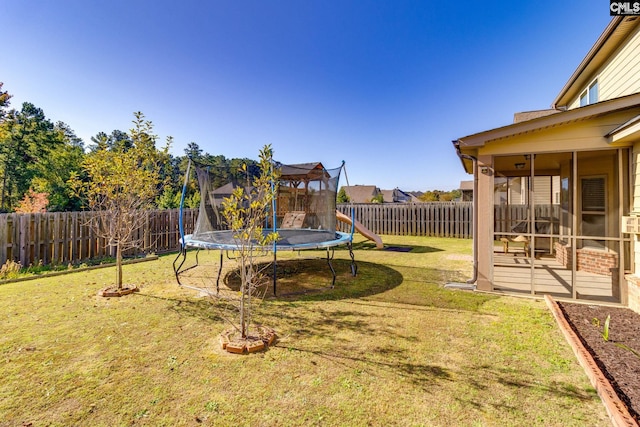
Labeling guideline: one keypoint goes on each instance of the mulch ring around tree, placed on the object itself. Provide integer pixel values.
(261, 338)
(618, 357)
(113, 291)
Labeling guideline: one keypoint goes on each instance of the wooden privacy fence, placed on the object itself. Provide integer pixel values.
(438, 219)
(66, 237)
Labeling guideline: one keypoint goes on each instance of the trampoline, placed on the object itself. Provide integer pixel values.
(303, 213)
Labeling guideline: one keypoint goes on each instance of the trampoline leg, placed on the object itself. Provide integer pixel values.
(177, 269)
(333, 271)
(183, 253)
(218, 278)
(275, 272)
(354, 266)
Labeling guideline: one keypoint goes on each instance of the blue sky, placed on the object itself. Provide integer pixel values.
(383, 85)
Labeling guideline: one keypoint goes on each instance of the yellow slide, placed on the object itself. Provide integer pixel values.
(361, 229)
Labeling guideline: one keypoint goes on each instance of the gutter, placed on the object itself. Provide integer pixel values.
(474, 227)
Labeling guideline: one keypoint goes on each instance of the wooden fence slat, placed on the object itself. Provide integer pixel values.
(23, 237)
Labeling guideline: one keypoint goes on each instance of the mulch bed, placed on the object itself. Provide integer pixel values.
(615, 357)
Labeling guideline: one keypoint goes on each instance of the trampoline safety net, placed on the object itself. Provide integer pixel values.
(305, 207)
(303, 214)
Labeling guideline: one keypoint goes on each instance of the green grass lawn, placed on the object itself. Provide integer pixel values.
(388, 347)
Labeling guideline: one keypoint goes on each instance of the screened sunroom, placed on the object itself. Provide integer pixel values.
(556, 223)
(549, 199)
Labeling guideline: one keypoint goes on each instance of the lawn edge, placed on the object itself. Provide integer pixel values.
(616, 409)
(78, 270)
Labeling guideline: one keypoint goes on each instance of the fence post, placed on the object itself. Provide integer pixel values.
(4, 237)
(23, 233)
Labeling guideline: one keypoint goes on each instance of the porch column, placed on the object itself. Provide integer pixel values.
(635, 193)
(633, 280)
(485, 223)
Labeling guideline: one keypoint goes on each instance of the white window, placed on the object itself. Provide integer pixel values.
(593, 92)
(590, 95)
(583, 99)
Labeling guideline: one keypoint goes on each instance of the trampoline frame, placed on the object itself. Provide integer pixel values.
(188, 241)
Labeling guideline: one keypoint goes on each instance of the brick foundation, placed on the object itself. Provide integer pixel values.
(589, 260)
(563, 254)
(597, 262)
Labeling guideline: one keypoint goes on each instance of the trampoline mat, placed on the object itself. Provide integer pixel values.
(294, 239)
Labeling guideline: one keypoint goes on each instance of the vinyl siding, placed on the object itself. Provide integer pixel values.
(620, 76)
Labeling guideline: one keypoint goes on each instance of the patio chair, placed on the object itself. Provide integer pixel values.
(505, 244)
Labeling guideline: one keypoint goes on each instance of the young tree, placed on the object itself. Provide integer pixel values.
(27, 138)
(378, 198)
(245, 211)
(117, 140)
(55, 169)
(342, 196)
(122, 184)
(168, 199)
(33, 202)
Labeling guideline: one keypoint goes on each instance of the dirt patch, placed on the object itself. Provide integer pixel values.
(619, 356)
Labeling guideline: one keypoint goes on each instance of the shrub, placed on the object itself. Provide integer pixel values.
(10, 270)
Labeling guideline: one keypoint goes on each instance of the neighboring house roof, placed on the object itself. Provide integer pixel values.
(397, 196)
(530, 115)
(404, 197)
(361, 193)
(225, 190)
(611, 38)
(387, 196)
(466, 185)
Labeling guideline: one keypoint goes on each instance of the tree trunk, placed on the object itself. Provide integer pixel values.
(119, 266)
(243, 290)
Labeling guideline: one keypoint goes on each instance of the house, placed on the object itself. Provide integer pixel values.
(555, 188)
(398, 196)
(466, 191)
(362, 193)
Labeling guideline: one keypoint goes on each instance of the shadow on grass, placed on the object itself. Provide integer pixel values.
(310, 280)
(369, 246)
(420, 374)
(480, 377)
(197, 308)
(350, 337)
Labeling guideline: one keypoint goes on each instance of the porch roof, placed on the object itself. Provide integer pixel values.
(469, 144)
(626, 131)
